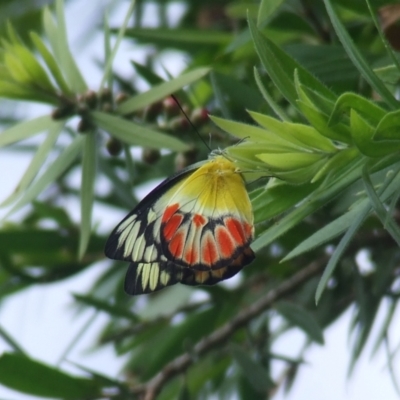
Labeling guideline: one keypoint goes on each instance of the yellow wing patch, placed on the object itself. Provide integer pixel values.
(194, 228)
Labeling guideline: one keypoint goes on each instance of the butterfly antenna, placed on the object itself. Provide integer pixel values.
(190, 122)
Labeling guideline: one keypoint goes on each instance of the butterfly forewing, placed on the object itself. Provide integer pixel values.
(136, 238)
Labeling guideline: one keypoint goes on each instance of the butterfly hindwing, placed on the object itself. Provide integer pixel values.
(144, 278)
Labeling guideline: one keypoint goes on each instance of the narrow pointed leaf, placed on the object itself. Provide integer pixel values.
(50, 175)
(341, 247)
(57, 36)
(388, 222)
(51, 63)
(266, 9)
(358, 60)
(268, 98)
(87, 190)
(42, 380)
(281, 68)
(36, 163)
(160, 91)
(102, 305)
(26, 129)
(254, 372)
(131, 133)
(111, 55)
(303, 319)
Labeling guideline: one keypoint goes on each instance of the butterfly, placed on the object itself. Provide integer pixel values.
(194, 228)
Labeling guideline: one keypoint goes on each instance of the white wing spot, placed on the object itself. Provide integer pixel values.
(151, 216)
(130, 238)
(150, 253)
(164, 278)
(138, 250)
(154, 274)
(144, 269)
(126, 223)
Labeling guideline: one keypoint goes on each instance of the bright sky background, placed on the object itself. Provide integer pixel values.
(43, 320)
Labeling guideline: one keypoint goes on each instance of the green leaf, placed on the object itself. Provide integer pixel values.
(51, 63)
(281, 67)
(50, 175)
(363, 133)
(267, 9)
(121, 33)
(70, 68)
(239, 93)
(316, 200)
(220, 97)
(182, 39)
(337, 162)
(254, 372)
(147, 74)
(303, 319)
(57, 36)
(36, 163)
(277, 198)
(341, 247)
(11, 341)
(289, 161)
(108, 77)
(320, 122)
(135, 134)
(255, 134)
(102, 305)
(37, 76)
(367, 108)
(42, 380)
(359, 61)
(89, 158)
(26, 129)
(160, 91)
(268, 98)
(388, 127)
(328, 232)
(302, 135)
(342, 223)
(388, 222)
(328, 62)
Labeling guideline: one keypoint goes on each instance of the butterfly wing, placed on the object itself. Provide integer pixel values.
(143, 278)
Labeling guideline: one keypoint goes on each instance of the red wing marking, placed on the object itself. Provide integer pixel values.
(172, 225)
(209, 250)
(170, 211)
(236, 230)
(177, 244)
(191, 256)
(224, 241)
(199, 220)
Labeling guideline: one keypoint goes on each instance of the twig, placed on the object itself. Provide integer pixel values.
(150, 389)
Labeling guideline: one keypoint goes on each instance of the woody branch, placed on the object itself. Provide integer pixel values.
(149, 390)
